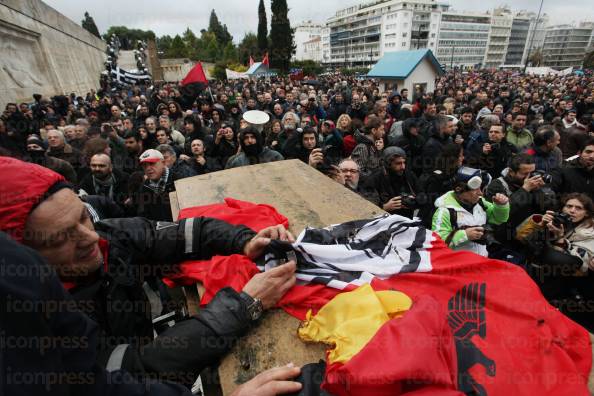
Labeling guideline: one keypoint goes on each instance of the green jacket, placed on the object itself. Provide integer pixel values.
(521, 140)
(484, 213)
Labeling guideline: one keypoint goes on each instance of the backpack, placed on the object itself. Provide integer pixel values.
(454, 222)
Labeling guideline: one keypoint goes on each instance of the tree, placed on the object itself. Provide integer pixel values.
(262, 28)
(222, 34)
(89, 24)
(248, 47)
(178, 48)
(589, 60)
(536, 58)
(281, 36)
(129, 37)
(192, 44)
(230, 53)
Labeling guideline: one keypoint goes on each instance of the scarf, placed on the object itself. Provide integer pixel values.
(104, 187)
(159, 186)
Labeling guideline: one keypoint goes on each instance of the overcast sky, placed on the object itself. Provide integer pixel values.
(241, 16)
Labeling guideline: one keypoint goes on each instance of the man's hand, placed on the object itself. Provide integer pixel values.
(271, 382)
(486, 148)
(184, 157)
(201, 160)
(393, 204)
(459, 139)
(533, 183)
(474, 233)
(255, 247)
(270, 286)
(500, 199)
(316, 157)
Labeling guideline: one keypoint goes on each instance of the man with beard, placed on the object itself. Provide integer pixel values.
(104, 180)
(36, 154)
(351, 174)
(133, 143)
(392, 186)
(465, 127)
(302, 144)
(337, 107)
(253, 150)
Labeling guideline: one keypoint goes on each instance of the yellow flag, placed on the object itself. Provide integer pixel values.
(349, 321)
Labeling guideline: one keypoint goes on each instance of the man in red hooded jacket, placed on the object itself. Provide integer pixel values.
(106, 267)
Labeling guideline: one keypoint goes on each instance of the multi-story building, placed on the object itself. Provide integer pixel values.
(536, 35)
(462, 39)
(304, 33)
(499, 35)
(565, 45)
(361, 34)
(312, 49)
(518, 39)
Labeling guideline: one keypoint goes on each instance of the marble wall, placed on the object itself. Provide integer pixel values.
(42, 51)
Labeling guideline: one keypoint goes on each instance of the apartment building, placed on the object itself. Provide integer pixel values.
(361, 34)
(565, 45)
(305, 32)
(463, 39)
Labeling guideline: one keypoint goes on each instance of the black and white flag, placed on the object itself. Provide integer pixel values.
(123, 77)
(353, 253)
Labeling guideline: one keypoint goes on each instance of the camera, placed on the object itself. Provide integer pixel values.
(547, 178)
(488, 237)
(562, 219)
(495, 146)
(410, 201)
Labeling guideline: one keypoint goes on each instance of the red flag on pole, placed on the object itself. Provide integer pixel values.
(251, 61)
(265, 60)
(196, 75)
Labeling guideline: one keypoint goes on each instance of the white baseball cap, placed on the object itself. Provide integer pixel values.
(151, 155)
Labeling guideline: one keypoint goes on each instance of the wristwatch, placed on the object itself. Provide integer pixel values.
(254, 306)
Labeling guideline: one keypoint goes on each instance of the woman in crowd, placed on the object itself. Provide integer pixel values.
(225, 145)
(276, 128)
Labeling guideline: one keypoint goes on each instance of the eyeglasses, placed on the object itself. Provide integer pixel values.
(346, 170)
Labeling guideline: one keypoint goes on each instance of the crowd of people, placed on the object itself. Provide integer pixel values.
(498, 163)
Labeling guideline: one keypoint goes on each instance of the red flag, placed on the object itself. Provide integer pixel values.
(196, 75)
(476, 325)
(251, 61)
(265, 60)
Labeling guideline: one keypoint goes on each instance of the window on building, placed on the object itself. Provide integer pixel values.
(404, 43)
(404, 34)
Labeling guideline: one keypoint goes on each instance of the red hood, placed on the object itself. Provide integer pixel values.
(23, 186)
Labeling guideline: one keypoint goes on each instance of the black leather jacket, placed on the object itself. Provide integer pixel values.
(137, 250)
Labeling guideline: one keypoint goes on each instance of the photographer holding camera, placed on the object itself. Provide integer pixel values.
(393, 187)
(562, 247)
(462, 215)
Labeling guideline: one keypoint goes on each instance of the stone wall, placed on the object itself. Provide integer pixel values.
(42, 51)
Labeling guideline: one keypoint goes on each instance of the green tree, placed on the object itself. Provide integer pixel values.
(89, 24)
(230, 53)
(589, 60)
(129, 37)
(178, 48)
(248, 47)
(222, 34)
(262, 28)
(192, 44)
(163, 44)
(281, 36)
